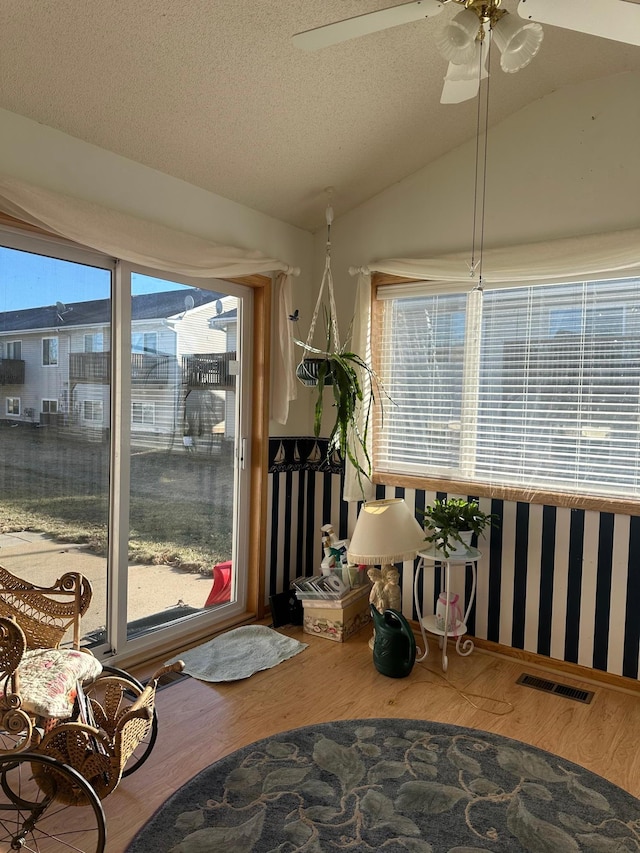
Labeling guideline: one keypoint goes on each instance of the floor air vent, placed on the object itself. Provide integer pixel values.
(574, 693)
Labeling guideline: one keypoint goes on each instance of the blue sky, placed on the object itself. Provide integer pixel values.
(30, 281)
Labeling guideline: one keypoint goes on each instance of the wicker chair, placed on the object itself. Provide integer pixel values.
(69, 727)
(46, 614)
(34, 622)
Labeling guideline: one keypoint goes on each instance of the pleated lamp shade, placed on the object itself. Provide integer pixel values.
(386, 532)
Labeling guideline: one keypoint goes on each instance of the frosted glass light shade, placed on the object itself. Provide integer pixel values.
(456, 41)
(518, 42)
(386, 532)
(462, 82)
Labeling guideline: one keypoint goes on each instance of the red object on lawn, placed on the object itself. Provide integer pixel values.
(221, 589)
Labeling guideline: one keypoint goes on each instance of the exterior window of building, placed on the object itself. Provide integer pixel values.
(14, 350)
(92, 410)
(143, 413)
(144, 342)
(94, 342)
(541, 392)
(49, 407)
(13, 406)
(50, 351)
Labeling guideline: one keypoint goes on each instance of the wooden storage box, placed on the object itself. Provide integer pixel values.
(337, 620)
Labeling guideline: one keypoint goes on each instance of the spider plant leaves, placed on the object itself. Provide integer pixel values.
(354, 385)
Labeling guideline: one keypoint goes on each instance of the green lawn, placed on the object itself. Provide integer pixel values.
(181, 503)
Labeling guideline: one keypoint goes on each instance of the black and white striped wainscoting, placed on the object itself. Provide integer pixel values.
(557, 582)
(305, 492)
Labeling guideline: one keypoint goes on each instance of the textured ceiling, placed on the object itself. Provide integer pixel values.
(213, 92)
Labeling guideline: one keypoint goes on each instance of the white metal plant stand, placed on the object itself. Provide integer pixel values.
(428, 623)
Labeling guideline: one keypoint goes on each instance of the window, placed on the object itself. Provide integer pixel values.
(14, 350)
(13, 406)
(49, 407)
(541, 392)
(143, 413)
(50, 351)
(144, 342)
(92, 410)
(93, 342)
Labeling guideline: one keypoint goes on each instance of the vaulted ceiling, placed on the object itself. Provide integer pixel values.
(214, 92)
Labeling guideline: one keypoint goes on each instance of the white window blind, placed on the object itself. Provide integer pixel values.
(534, 387)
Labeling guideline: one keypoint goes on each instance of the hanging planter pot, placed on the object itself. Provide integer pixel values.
(308, 371)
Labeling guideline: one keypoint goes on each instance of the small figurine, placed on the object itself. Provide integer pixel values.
(385, 592)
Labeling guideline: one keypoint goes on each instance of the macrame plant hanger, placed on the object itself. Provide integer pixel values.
(304, 373)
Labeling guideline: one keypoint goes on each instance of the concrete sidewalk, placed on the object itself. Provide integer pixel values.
(37, 558)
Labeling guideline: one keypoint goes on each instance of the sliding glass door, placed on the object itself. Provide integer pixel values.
(186, 462)
(124, 426)
(55, 408)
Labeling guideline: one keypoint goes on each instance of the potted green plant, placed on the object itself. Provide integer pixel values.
(450, 524)
(345, 372)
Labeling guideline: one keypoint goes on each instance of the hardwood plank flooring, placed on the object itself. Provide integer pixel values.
(200, 723)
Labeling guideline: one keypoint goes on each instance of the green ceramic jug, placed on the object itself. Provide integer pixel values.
(394, 647)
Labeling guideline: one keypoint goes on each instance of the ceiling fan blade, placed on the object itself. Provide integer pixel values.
(371, 22)
(610, 19)
(462, 82)
(457, 91)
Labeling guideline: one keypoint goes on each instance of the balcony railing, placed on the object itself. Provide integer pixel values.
(150, 368)
(90, 367)
(11, 371)
(209, 370)
(96, 367)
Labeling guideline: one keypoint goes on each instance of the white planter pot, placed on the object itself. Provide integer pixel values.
(457, 549)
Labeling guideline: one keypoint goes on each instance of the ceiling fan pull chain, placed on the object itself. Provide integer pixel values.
(480, 181)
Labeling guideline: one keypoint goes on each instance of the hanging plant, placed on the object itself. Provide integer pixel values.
(353, 381)
(352, 403)
(310, 369)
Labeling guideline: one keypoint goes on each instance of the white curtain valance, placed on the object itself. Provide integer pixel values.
(595, 254)
(138, 241)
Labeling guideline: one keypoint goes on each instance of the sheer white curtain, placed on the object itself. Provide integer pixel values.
(596, 254)
(284, 385)
(602, 255)
(120, 235)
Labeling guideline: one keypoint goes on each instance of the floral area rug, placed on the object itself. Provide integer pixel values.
(399, 786)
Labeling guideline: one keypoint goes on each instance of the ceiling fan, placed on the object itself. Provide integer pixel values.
(465, 38)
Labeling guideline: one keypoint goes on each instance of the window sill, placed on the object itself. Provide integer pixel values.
(597, 503)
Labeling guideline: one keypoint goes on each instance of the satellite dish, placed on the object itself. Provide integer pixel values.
(218, 306)
(61, 310)
(189, 302)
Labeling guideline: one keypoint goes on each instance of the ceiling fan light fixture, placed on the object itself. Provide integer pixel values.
(456, 41)
(518, 42)
(461, 82)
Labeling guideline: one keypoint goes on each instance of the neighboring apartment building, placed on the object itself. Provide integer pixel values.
(55, 366)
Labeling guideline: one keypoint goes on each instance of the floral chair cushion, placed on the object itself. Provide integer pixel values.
(48, 679)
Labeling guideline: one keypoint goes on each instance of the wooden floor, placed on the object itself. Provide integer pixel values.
(199, 723)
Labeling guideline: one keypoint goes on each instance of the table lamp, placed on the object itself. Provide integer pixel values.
(386, 532)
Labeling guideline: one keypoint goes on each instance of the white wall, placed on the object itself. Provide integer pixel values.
(565, 165)
(46, 157)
